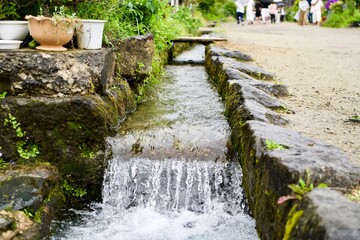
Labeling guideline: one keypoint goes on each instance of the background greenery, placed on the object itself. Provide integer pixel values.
(344, 13)
(217, 9)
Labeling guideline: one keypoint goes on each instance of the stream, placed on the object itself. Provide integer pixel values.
(170, 176)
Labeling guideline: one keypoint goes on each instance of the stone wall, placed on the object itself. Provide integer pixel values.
(64, 105)
(67, 103)
(256, 116)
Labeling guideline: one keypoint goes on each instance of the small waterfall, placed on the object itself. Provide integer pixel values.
(173, 185)
(170, 176)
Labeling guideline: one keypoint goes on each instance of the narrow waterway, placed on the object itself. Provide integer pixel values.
(170, 176)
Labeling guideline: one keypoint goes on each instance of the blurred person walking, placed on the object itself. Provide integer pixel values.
(273, 12)
(316, 6)
(250, 12)
(265, 14)
(239, 12)
(303, 7)
(257, 10)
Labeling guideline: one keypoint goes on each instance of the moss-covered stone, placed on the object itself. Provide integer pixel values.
(31, 189)
(69, 132)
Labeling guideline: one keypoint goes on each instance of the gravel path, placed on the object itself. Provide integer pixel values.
(321, 67)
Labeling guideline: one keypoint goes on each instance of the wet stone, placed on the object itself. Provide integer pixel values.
(247, 68)
(6, 223)
(27, 193)
(134, 57)
(25, 188)
(215, 51)
(327, 215)
(252, 93)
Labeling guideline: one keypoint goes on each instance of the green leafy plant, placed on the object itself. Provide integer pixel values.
(216, 9)
(337, 7)
(62, 15)
(86, 152)
(8, 10)
(272, 145)
(73, 191)
(11, 121)
(140, 66)
(354, 118)
(190, 18)
(344, 14)
(25, 149)
(300, 189)
(3, 95)
(28, 213)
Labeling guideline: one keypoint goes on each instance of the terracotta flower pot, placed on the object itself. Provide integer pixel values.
(49, 34)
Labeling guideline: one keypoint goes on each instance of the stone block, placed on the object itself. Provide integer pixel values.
(327, 214)
(134, 57)
(28, 72)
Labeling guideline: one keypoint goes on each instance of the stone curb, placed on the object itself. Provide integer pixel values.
(254, 116)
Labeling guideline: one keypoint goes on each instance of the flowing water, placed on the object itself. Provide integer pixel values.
(170, 176)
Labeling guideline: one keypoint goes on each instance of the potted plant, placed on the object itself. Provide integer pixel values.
(52, 32)
(12, 31)
(89, 32)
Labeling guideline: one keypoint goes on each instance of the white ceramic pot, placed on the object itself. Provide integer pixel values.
(89, 34)
(10, 44)
(13, 30)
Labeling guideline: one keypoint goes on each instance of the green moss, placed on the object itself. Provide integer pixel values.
(282, 110)
(74, 125)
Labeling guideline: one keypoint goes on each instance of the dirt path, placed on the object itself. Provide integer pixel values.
(321, 67)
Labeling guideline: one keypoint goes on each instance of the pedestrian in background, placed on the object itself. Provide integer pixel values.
(282, 14)
(273, 12)
(265, 14)
(316, 6)
(257, 11)
(239, 12)
(250, 12)
(303, 8)
(309, 15)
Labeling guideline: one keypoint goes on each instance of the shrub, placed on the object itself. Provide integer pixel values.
(216, 9)
(343, 17)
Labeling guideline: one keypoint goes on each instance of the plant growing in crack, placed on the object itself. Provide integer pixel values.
(300, 189)
(272, 145)
(72, 190)
(3, 95)
(25, 149)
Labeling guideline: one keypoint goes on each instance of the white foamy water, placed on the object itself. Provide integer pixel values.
(169, 199)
